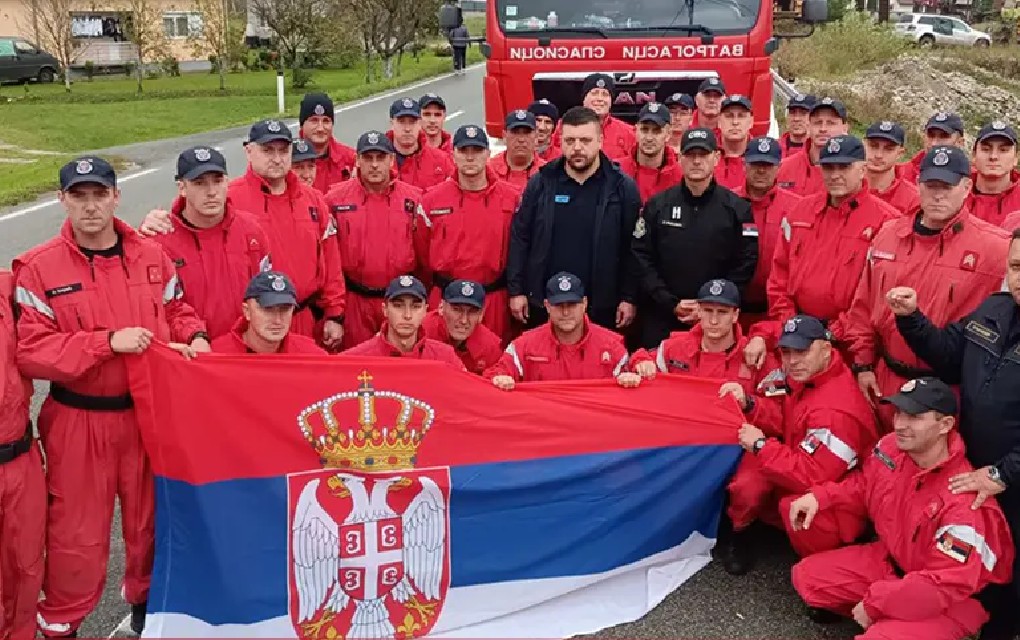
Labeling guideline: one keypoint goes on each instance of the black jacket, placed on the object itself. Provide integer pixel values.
(685, 241)
(613, 265)
(981, 353)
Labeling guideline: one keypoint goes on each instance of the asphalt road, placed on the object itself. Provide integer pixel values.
(712, 604)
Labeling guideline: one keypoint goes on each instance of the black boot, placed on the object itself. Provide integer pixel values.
(138, 618)
(822, 616)
(737, 555)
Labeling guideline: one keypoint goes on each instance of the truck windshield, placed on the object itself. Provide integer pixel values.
(625, 18)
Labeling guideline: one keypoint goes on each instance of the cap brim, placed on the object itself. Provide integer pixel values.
(798, 105)
(762, 158)
(884, 136)
(705, 146)
(942, 126)
(935, 174)
(659, 121)
(203, 169)
(563, 298)
(906, 404)
(717, 89)
(719, 300)
(479, 144)
(997, 134)
(793, 341)
(407, 292)
(274, 299)
(272, 137)
(89, 179)
(819, 107)
(375, 147)
(840, 160)
(520, 125)
(407, 112)
(303, 157)
(462, 300)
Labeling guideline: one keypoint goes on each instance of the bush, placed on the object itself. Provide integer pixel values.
(442, 50)
(301, 78)
(129, 69)
(837, 9)
(1001, 62)
(90, 70)
(170, 66)
(854, 43)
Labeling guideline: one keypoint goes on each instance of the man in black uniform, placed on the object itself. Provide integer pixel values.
(981, 353)
(689, 234)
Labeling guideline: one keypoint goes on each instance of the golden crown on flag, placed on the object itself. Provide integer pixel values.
(367, 430)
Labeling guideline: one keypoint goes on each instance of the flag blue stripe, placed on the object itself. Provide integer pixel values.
(221, 548)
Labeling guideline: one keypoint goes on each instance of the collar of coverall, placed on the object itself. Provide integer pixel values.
(293, 185)
(128, 236)
(1014, 179)
(956, 452)
(692, 346)
(955, 225)
(418, 347)
(580, 344)
(836, 367)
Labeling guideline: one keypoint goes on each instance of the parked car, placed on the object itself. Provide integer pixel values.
(927, 29)
(22, 61)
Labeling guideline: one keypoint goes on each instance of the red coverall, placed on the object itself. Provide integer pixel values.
(375, 232)
(468, 237)
(731, 172)
(552, 151)
(995, 207)
(22, 487)
(652, 181)
(424, 349)
(538, 355)
(798, 174)
(233, 342)
(910, 170)
(696, 122)
(934, 553)
(302, 241)
(446, 141)
(215, 265)
(819, 259)
(481, 350)
(788, 147)
(901, 195)
(519, 179)
(94, 453)
(823, 428)
(427, 167)
(1011, 222)
(769, 212)
(336, 166)
(952, 272)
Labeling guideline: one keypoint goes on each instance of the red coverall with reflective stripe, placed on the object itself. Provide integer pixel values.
(424, 349)
(651, 181)
(498, 165)
(823, 428)
(769, 212)
(375, 232)
(952, 272)
(819, 259)
(334, 167)
(910, 170)
(731, 172)
(538, 355)
(69, 305)
(214, 265)
(798, 174)
(427, 167)
(481, 350)
(468, 238)
(934, 553)
(22, 489)
(901, 195)
(233, 342)
(302, 241)
(994, 207)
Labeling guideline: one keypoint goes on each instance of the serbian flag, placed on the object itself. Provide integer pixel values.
(334, 497)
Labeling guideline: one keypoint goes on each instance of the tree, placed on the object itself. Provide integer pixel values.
(388, 27)
(299, 25)
(221, 34)
(144, 20)
(51, 22)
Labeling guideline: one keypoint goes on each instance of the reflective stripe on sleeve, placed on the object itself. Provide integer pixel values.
(969, 535)
(171, 291)
(517, 361)
(265, 264)
(26, 298)
(660, 358)
(830, 441)
(618, 369)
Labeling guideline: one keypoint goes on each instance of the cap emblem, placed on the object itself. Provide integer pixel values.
(716, 288)
(941, 117)
(790, 327)
(909, 386)
(301, 146)
(320, 110)
(941, 158)
(83, 167)
(202, 155)
(698, 134)
(373, 138)
(544, 101)
(467, 289)
(713, 81)
(564, 283)
(653, 108)
(834, 145)
(600, 83)
(826, 100)
(273, 126)
(998, 125)
(764, 146)
(886, 126)
(471, 132)
(408, 103)
(278, 284)
(521, 114)
(736, 96)
(799, 97)
(406, 281)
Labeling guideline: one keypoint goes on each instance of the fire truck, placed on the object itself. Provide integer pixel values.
(653, 48)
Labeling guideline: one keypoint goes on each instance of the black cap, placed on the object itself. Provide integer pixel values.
(265, 131)
(721, 292)
(922, 395)
(764, 149)
(800, 332)
(842, 150)
(887, 130)
(996, 129)
(801, 101)
(680, 100)
(406, 286)
(830, 103)
(655, 113)
(302, 150)
(736, 100)
(698, 138)
(374, 141)
(315, 104)
(598, 81)
(712, 84)
(198, 161)
(520, 119)
(405, 107)
(465, 292)
(84, 170)
(563, 288)
(432, 98)
(945, 163)
(470, 135)
(544, 108)
(270, 289)
(944, 121)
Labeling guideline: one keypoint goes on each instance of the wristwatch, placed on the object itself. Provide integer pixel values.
(861, 368)
(996, 476)
(758, 445)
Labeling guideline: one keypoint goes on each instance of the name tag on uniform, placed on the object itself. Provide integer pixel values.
(441, 212)
(536, 358)
(63, 290)
(979, 330)
(562, 198)
(344, 208)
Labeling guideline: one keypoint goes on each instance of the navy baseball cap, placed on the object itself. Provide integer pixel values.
(198, 161)
(830, 103)
(374, 141)
(302, 150)
(270, 289)
(655, 113)
(887, 130)
(563, 288)
(405, 107)
(432, 98)
(800, 332)
(945, 163)
(721, 292)
(406, 286)
(470, 135)
(698, 138)
(996, 129)
(520, 119)
(763, 149)
(465, 292)
(712, 84)
(544, 108)
(265, 131)
(922, 395)
(85, 170)
(842, 150)
(943, 121)
(801, 101)
(680, 100)
(736, 100)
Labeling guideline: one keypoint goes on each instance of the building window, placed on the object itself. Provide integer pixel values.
(182, 24)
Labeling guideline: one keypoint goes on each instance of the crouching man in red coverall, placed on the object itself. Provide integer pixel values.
(568, 347)
(96, 291)
(809, 430)
(22, 487)
(266, 315)
(935, 550)
(457, 322)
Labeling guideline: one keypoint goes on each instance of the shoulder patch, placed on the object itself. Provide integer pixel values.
(884, 458)
(981, 331)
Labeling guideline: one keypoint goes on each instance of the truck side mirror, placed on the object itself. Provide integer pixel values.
(815, 11)
(450, 17)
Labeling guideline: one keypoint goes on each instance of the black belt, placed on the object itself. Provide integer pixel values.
(897, 569)
(904, 370)
(363, 291)
(12, 450)
(499, 284)
(69, 398)
(317, 313)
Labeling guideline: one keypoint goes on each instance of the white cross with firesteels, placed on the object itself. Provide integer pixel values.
(372, 560)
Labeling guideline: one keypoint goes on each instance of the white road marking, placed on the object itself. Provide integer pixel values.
(47, 203)
(455, 114)
(125, 624)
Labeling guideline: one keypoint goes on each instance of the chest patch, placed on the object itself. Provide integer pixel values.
(63, 290)
(409, 206)
(344, 208)
(981, 332)
(155, 274)
(969, 261)
(441, 211)
(539, 359)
